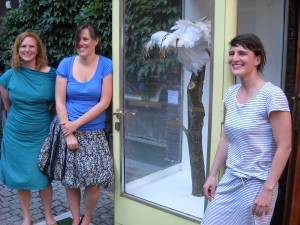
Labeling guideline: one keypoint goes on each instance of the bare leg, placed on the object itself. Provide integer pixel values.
(46, 196)
(90, 199)
(74, 196)
(24, 198)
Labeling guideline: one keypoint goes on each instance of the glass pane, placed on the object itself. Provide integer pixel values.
(266, 20)
(167, 107)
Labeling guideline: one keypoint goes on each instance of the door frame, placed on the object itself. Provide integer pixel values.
(292, 209)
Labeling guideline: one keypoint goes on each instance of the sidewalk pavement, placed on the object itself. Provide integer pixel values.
(11, 214)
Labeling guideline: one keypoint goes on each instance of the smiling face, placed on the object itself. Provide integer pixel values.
(28, 51)
(242, 61)
(85, 44)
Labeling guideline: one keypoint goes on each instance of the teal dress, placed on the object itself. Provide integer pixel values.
(31, 94)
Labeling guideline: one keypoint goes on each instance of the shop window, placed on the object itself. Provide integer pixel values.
(165, 124)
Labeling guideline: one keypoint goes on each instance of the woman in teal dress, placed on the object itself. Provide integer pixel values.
(27, 90)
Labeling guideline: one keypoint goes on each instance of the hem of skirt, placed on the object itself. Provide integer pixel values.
(102, 184)
(38, 188)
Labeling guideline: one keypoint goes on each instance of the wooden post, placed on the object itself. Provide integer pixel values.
(196, 115)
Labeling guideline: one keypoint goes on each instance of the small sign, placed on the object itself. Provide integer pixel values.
(173, 97)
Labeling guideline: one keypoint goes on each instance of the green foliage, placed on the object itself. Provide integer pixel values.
(142, 19)
(99, 13)
(55, 22)
(12, 24)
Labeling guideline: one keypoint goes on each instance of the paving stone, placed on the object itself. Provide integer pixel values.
(11, 214)
(13, 206)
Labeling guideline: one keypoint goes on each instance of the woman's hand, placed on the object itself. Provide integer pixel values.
(72, 142)
(209, 187)
(68, 127)
(5, 98)
(262, 203)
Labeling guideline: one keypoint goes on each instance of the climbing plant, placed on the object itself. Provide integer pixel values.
(143, 18)
(55, 22)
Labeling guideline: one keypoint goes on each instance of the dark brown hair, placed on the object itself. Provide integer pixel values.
(93, 32)
(252, 42)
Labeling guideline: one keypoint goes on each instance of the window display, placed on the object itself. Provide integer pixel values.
(166, 89)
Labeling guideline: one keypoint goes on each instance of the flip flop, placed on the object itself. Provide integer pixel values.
(81, 219)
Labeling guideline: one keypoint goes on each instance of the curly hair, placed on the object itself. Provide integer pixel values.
(41, 57)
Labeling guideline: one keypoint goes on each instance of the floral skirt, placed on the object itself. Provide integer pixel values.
(90, 164)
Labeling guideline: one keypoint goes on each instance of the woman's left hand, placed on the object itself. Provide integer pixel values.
(262, 203)
(72, 142)
(68, 127)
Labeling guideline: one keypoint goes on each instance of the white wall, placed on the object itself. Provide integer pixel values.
(265, 18)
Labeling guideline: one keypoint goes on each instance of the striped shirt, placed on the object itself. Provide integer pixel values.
(251, 144)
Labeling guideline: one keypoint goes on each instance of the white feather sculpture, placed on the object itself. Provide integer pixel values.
(192, 39)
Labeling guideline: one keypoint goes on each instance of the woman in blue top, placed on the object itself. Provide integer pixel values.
(27, 90)
(83, 92)
(255, 144)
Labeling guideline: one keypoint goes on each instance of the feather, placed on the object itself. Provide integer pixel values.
(170, 40)
(156, 39)
(194, 58)
(192, 40)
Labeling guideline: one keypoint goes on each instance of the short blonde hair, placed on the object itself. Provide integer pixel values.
(41, 57)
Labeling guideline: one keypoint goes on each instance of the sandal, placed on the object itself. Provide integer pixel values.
(81, 219)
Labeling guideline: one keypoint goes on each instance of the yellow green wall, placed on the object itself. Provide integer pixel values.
(224, 29)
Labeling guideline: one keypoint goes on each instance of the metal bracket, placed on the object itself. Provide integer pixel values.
(118, 114)
(117, 126)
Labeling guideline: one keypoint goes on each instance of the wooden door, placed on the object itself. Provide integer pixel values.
(292, 209)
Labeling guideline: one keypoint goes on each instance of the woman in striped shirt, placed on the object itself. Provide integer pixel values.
(254, 146)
